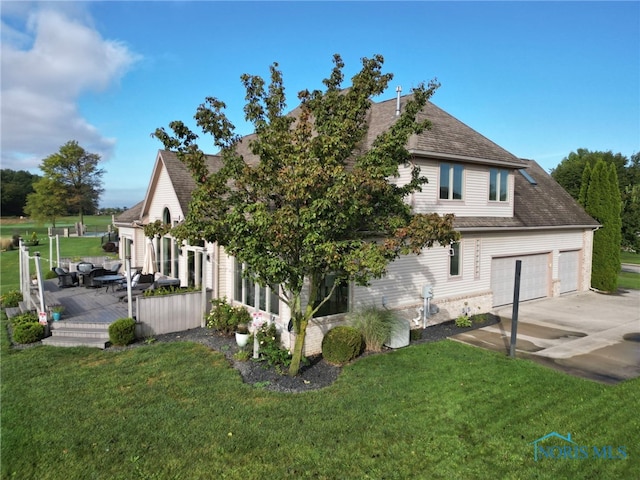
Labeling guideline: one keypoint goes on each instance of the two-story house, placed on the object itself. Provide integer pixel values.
(506, 209)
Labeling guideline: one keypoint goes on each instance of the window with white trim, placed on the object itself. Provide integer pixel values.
(498, 185)
(451, 181)
(250, 293)
(455, 263)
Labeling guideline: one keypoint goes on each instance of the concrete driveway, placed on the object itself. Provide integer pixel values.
(586, 334)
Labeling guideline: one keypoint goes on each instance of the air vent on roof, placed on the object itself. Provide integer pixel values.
(398, 91)
(529, 178)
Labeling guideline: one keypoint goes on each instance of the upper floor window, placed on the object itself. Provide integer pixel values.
(451, 181)
(166, 216)
(498, 185)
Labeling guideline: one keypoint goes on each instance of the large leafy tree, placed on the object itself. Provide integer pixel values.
(303, 199)
(570, 171)
(16, 185)
(602, 201)
(47, 202)
(78, 171)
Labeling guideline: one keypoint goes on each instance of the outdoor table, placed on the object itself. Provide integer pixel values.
(109, 281)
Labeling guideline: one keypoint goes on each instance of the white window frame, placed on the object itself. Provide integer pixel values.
(450, 181)
(455, 251)
(501, 178)
(269, 296)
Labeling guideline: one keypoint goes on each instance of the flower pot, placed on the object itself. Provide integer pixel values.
(242, 339)
(56, 316)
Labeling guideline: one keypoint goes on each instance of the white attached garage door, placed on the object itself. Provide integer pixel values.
(534, 278)
(568, 271)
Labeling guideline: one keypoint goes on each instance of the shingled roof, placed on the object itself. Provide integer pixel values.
(448, 138)
(181, 180)
(544, 204)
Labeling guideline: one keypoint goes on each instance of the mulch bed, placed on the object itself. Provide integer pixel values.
(315, 374)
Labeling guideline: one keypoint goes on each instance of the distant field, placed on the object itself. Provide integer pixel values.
(70, 247)
(25, 227)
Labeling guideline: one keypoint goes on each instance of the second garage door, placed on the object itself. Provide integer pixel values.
(534, 278)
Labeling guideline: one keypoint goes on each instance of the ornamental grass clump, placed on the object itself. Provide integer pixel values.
(375, 325)
(341, 345)
(122, 331)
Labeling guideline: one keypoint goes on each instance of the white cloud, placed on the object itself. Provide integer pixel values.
(45, 69)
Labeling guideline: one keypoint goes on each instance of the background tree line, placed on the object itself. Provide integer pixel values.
(71, 184)
(570, 173)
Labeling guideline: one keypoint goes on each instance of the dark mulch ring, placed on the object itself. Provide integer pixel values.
(316, 373)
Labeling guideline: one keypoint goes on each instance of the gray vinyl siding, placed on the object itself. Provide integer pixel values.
(475, 202)
(403, 283)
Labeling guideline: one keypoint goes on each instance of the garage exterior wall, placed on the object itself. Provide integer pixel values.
(402, 286)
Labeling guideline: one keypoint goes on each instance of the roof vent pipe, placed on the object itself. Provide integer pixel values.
(398, 91)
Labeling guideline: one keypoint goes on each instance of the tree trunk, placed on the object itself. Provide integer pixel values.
(301, 331)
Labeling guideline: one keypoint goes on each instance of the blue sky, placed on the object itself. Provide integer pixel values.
(540, 79)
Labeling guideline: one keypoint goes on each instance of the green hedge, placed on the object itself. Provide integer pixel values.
(122, 331)
(342, 344)
(28, 332)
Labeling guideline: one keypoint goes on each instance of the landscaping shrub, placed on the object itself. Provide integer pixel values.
(122, 331)
(223, 317)
(24, 318)
(341, 344)
(49, 274)
(463, 321)
(6, 244)
(374, 324)
(270, 349)
(11, 299)
(29, 332)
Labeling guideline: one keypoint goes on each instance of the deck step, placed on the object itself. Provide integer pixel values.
(78, 332)
(63, 324)
(12, 311)
(57, 341)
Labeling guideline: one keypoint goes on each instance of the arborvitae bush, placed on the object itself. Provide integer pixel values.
(28, 332)
(122, 331)
(342, 344)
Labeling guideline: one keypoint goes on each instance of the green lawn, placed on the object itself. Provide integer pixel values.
(629, 257)
(70, 247)
(179, 411)
(10, 226)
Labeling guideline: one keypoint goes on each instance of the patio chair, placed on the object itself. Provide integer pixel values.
(88, 279)
(115, 268)
(65, 278)
(139, 283)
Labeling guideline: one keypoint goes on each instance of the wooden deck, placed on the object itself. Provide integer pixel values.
(91, 305)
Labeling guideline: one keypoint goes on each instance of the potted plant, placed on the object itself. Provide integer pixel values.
(242, 335)
(241, 318)
(56, 311)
